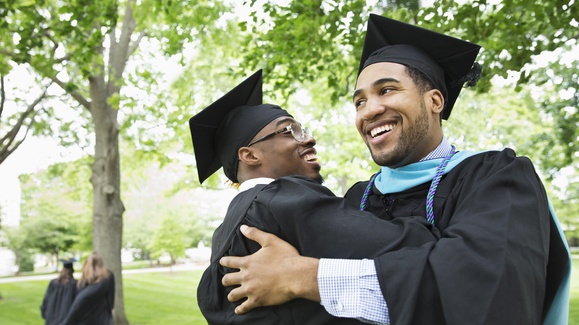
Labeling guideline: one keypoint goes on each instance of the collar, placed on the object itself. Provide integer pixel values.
(250, 183)
(402, 178)
(441, 151)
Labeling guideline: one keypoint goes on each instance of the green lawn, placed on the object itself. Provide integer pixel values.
(574, 301)
(156, 299)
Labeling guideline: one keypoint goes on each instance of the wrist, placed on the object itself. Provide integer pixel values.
(305, 284)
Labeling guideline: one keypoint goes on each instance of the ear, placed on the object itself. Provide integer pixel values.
(434, 100)
(249, 156)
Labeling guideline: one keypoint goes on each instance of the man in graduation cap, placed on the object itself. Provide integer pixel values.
(501, 258)
(262, 147)
(59, 295)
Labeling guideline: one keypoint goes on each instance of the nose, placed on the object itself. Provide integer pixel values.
(309, 140)
(372, 108)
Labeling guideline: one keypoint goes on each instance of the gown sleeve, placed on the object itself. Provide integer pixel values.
(319, 224)
(43, 307)
(111, 291)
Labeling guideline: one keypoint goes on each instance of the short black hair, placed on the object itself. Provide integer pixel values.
(420, 79)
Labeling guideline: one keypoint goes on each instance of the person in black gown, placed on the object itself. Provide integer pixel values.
(501, 257)
(95, 296)
(59, 295)
(262, 147)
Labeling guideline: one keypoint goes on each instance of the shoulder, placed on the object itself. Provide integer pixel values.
(298, 183)
(52, 283)
(497, 160)
(285, 192)
(502, 167)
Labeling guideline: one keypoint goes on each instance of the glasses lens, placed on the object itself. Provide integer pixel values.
(297, 132)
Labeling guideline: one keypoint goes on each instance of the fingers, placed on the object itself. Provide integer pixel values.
(248, 305)
(245, 307)
(236, 294)
(231, 279)
(261, 237)
(232, 262)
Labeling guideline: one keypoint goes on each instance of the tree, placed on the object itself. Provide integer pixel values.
(56, 209)
(84, 47)
(169, 238)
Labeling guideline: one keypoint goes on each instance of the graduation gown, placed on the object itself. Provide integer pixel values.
(499, 260)
(57, 301)
(316, 223)
(93, 304)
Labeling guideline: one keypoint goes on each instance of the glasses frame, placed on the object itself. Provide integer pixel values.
(288, 128)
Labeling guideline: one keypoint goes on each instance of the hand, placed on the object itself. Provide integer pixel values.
(271, 276)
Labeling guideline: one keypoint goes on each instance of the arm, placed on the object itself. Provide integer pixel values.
(285, 275)
(276, 258)
(111, 291)
(321, 225)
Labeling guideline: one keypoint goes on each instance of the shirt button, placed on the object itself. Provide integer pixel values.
(339, 306)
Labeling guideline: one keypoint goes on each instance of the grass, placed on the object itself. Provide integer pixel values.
(574, 299)
(157, 298)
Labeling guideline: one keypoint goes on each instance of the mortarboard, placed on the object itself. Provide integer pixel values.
(231, 122)
(445, 60)
(67, 263)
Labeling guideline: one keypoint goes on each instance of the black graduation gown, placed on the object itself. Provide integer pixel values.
(93, 304)
(500, 258)
(316, 223)
(57, 301)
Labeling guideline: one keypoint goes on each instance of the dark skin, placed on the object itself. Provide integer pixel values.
(386, 97)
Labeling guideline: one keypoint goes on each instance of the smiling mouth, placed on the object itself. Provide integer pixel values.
(381, 130)
(311, 157)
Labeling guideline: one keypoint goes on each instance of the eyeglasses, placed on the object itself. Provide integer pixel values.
(296, 129)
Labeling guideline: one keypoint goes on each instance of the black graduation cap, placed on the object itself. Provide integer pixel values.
(67, 263)
(447, 61)
(231, 122)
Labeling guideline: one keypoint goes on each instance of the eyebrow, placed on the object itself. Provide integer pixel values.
(375, 84)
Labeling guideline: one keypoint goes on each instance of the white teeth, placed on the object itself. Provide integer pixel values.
(310, 157)
(384, 128)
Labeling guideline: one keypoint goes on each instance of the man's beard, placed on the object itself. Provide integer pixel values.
(407, 142)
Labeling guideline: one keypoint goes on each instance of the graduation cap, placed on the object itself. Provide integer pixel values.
(447, 61)
(231, 122)
(67, 263)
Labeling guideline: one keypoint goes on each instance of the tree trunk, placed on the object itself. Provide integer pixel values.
(106, 179)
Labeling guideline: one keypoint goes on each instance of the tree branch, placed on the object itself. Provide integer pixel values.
(75, 94)
(119, 53)
(8, 143)
(2, 94)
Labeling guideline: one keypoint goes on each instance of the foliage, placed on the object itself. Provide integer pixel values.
(83, 47)
(153, 191)
(168, 238)
(300, 41)
(56, 209)
(16, 241)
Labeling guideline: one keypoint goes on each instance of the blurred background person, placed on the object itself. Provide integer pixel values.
(95, 296)
(60, 294)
